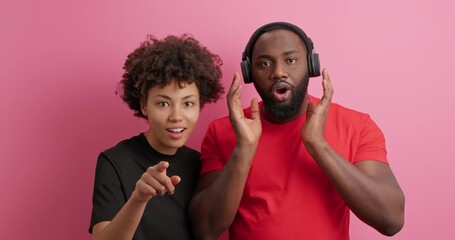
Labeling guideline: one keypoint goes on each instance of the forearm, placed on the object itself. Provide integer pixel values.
(124, 224)
(213, 209)
(375, 198)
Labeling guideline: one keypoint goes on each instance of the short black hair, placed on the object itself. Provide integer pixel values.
(274, 26)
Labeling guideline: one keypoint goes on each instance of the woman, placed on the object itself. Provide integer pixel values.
(143, 184)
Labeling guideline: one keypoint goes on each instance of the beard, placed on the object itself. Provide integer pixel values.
(285, 110)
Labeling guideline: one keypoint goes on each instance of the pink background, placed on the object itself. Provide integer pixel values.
(60, 62)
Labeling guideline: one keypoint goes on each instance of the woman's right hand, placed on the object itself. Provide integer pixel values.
(155, 182)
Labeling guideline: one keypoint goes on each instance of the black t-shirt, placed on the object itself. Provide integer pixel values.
(120, 167)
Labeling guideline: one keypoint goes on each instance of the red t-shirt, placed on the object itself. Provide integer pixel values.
(286, 195)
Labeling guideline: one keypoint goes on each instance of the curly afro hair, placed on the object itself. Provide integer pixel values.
(158, 62)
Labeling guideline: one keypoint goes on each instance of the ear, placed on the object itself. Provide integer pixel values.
(144, 108)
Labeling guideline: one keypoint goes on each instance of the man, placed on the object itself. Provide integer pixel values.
(292, 166)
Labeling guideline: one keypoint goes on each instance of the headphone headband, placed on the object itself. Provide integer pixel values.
(273, 26)
(313, 58)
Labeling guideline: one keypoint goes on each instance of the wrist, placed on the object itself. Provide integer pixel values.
(315, 147)
(245, 153)
(138, 198)
(246, 148)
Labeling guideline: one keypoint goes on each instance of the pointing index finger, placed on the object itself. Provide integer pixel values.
(162, 166)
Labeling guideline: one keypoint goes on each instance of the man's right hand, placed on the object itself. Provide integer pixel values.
(247, 130)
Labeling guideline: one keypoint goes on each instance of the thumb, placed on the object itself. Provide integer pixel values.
(310, 108)
(175, 180)
(162, 166)
(235, 81)
(255, 109)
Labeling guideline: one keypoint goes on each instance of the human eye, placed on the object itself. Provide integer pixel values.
(163, 104)
(189, 104)
(265, 63)
(292, 60)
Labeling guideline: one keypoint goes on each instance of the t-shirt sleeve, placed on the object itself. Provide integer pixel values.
(108, 197)
(371, 142)
(211, 159)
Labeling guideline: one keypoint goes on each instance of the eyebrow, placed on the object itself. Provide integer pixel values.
(289, 52)
(168, 98)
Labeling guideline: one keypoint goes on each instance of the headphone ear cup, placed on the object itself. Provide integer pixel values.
(246, 71)
(314, 67)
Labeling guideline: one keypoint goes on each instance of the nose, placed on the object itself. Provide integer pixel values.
(175, 114)
(279, 72)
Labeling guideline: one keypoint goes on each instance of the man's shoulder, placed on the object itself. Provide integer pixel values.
(225, 119)
(340, 109)
(220, 120)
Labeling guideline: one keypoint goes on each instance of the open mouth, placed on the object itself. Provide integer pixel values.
(176, 133)
(281, 91)
(176, 130)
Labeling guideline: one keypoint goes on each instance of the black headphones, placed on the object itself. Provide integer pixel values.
(312, 57)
